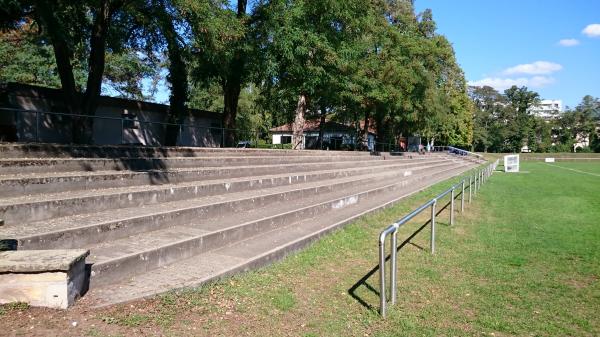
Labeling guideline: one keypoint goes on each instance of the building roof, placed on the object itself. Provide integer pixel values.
(315, 125)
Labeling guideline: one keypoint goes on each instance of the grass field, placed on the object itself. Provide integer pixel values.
(524, 260)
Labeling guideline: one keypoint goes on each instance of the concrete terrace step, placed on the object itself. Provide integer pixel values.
(243, 253)
(117, 259)
(20, 184)
(36, 150)
(46, 206)
(42, 165)
(80, 230)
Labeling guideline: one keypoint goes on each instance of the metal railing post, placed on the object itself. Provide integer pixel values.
(452, 207)
(432, 244)
(382, 292)
(393, 267)
(470, 188)
(462, 197)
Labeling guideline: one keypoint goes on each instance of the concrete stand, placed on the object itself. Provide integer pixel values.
(45, 278)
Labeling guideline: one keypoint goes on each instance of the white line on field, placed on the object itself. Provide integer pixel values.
(575, 170)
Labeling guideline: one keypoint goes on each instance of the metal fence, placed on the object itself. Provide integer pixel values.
(35, 128)
(473, 183)
(54, 127)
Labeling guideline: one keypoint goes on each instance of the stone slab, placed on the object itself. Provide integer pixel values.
(36, 261)
(45, 278)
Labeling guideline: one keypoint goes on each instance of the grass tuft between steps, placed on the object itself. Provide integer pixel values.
(522, 260)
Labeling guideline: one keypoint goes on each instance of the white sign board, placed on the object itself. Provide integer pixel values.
(511, 163)
(549, 160)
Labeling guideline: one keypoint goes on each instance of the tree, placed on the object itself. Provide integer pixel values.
(167, 20)
(67, 26)
(24, 58)
(301, 42)
(350, 61)
(223, 51)
(487, 102)
(517, 117)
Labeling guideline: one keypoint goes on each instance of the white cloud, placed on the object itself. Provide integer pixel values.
(540, 81)
(499, 83)
(568, 42)
(535, 68)
(592, 30)
(505, 83)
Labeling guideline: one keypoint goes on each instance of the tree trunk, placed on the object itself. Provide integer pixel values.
(298, 126)
(321, 130)
(231, 96)
(63, 55)
(366, 130)
(179, 83)
(232, 86)
(82, 127)
(96, 62)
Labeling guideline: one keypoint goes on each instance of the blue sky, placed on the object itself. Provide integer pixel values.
(519, 42)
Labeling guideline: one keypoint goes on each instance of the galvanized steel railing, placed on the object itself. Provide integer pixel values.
(474, 182)
(457, 151)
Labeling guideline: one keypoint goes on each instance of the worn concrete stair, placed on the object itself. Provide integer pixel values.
(47, 206)
(174, 243)
(38, 150)
(19, 184)
(282, 233)
(167, 207)
(92, 227)
(41, 165)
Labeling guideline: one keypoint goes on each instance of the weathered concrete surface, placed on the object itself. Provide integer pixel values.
(45, 278)
(253, 251)
(41, 207)
(74, 231)
(109, 151)
(32, 261)
(19, 184)
(197, 213)
(39, 165)
(156, 249)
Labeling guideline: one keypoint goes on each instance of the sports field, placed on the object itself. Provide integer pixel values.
(524, 260)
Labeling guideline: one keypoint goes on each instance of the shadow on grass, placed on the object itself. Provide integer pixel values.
(363, 282)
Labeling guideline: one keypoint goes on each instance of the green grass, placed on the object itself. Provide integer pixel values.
(593, 168)
(522, 261)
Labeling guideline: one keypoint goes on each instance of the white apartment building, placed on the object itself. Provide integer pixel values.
(547, 108)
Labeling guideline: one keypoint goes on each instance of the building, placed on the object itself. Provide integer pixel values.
(336, 135)
(37, 114)
(547, 108)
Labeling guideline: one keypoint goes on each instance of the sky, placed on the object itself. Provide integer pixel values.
(550, 46)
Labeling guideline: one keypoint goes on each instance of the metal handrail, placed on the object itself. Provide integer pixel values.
(455, 150)
(474, 184)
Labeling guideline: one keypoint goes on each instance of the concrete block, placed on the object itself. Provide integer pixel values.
(44, 278)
